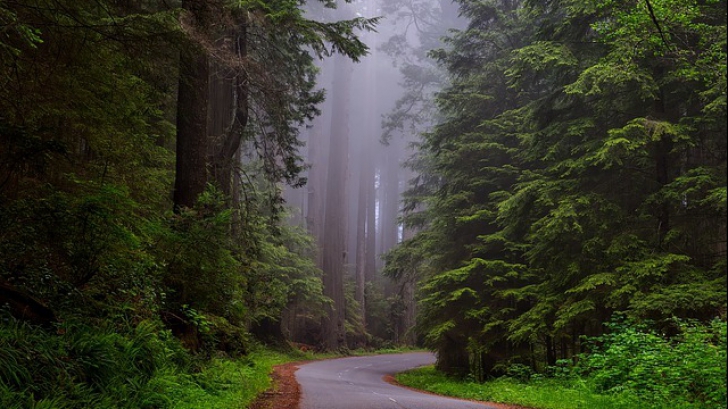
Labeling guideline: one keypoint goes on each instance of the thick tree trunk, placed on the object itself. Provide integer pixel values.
(318, 150)
(334, 257)
(364, 247)
(409, 286)
(550, 351)
(370, 262)
(316, 186)
(662, 168)
(361, 220)
(228, 145)
(190, 170)
(390, 200)
(452, 357)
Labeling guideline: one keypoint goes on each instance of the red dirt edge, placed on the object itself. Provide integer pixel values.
(286, 392)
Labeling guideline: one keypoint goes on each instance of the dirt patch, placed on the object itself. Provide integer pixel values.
(390, 379)
(285, 392)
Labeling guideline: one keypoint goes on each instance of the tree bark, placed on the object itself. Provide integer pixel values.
(226, 149)
(334, 256)
(389, 209)
(192, 99)
(365, 170)
(662, 167)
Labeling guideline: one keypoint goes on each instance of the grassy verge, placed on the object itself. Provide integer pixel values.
(140, 368)
(572, 393)
(226, 383)
(106, 366)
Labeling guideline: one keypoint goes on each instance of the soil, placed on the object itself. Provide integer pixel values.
(286, 393)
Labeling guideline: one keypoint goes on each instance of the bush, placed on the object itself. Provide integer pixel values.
(86, 367)
(688, 367)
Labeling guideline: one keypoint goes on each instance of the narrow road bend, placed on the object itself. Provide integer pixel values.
(357, 383)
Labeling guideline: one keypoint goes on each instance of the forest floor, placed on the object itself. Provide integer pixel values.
(286, 392)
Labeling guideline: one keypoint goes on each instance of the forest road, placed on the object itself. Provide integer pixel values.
(357, 383)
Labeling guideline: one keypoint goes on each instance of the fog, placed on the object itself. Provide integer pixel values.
(373, 113)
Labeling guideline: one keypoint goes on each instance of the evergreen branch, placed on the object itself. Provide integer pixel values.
(657, 23)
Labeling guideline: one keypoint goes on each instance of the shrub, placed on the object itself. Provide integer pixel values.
(86, 366)
(688, 367)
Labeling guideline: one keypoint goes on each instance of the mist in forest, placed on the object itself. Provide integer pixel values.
(546, 179)
(356, 151)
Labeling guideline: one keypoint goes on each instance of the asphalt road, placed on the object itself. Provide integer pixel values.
(356, 383)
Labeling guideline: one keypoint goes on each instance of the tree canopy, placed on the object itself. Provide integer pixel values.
(95, 99)
(579, 170)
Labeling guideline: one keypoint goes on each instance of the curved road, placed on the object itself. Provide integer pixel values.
(356, 383)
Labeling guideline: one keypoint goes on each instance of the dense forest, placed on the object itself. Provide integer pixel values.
(142, 144)
(504, 182)
(578, 170)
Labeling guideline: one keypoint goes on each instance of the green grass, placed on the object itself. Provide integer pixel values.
(227, 384)
(573, 393)
(141, 368)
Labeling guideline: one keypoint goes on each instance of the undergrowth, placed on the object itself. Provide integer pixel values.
(79, 366)
(629, 368)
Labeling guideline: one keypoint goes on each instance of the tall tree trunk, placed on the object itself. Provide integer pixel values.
(662, 166)
(190, 168)
(370, 262)
(361, 223)
(367, 139)
(318, 144)
(389, 210)
(364, 244)
(315, 194)
(408, 298)
(334, 257)
(452, 357)
(228, 145)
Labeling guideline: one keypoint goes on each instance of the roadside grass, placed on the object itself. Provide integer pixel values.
(547, 393)
(105, 366)
(141, 368)
(224, 383)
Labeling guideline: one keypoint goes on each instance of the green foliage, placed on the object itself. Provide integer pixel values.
(220, 280)
(87, 366)
(564, 184)
(224, 383)
(17, 34)
(545, 393)
(284, 273)
(84, 366)
(86, 168)
(688, 367)
(281, 41)
(197, 244)
(84, 252)
(82, 166)
(631, 368)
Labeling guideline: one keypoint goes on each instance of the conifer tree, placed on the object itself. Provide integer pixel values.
(579, 138)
